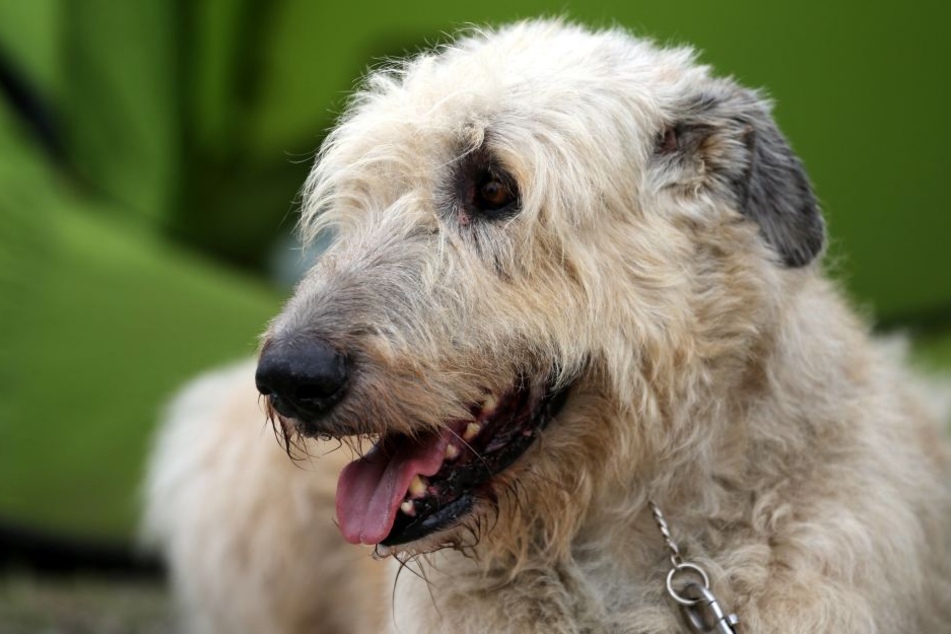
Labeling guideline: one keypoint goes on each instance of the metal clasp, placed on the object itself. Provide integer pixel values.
(706, 615)
(701, 609)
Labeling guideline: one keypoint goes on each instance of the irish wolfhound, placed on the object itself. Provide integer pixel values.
(574, 280)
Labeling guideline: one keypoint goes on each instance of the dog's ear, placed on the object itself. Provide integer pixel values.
(775, 192)
(735, 146)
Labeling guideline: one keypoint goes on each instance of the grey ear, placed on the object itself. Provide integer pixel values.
(726, 136)
(775, 192)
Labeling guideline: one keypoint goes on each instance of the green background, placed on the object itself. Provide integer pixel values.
(137, 226)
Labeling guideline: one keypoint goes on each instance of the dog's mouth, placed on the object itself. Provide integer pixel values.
(406, 488)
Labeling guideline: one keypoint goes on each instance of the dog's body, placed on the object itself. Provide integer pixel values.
(611, 252)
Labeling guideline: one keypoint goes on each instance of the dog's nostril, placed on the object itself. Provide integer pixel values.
(304, 378)
(312, 391)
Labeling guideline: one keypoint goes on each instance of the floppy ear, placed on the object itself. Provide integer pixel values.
(774, 192)
(727, 140)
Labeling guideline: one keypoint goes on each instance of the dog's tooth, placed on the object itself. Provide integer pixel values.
(408, 508)
(452, 452)
(418, 486)
(489, 405)
(472, 430)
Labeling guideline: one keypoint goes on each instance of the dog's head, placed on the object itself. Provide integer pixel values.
(553, 248)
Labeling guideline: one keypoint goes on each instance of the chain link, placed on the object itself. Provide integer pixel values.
(661, 522)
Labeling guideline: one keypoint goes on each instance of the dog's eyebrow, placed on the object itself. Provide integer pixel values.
(474, 137)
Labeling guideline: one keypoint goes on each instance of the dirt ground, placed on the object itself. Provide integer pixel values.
(30, 605)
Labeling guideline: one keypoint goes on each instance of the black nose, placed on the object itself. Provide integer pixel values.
(304, 378)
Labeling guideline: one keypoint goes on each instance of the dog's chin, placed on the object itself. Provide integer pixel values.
(419, 493)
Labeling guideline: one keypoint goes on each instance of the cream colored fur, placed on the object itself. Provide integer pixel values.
(796, 461)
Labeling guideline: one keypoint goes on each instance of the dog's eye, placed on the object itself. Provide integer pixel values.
(483, 189)
(493, 194)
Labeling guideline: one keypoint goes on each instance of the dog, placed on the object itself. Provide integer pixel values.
(574, 324)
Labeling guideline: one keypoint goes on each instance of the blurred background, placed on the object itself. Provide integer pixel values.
(151, 152)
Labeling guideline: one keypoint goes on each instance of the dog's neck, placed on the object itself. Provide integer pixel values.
(711, 479)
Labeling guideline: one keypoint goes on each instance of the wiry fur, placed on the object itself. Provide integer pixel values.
(669, 277)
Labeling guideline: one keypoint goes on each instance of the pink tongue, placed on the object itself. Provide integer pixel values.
(371, 489)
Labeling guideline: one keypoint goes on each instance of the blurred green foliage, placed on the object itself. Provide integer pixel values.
(165, 128)
(105, 320)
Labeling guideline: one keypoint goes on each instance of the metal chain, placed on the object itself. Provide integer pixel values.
(661, 522)
(703, 612)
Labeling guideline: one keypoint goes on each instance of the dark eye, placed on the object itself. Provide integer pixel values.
(481, 189)
(492, 193)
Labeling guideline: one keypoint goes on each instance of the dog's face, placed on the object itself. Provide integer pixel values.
(550, 244)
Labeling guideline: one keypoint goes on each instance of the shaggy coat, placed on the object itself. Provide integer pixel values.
(545, 205)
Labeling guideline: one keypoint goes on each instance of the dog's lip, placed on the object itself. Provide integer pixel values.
(408, 488)
(438, 519)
